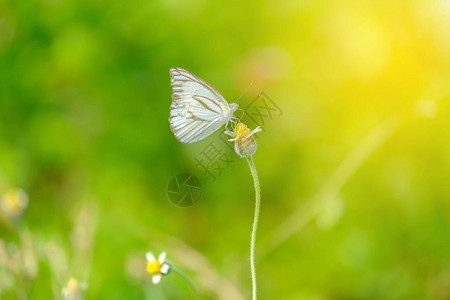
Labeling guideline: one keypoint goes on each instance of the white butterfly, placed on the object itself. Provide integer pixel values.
(197, 109)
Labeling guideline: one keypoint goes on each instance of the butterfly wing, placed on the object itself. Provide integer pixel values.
(197, 109)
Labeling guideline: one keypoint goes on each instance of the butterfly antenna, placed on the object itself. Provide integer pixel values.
(243, 113)
(244, 92)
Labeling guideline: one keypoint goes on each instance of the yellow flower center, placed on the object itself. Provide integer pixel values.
(72, 284)
(241, 131)
(15, 201)
(153, 267)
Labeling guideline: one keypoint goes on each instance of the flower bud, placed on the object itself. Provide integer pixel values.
(244, 143)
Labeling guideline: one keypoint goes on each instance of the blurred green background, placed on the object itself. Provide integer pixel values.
(354, 173)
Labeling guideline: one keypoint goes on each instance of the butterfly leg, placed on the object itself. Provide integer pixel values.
(228, 131)
(243, 113)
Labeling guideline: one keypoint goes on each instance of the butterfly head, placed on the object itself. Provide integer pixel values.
(233, 107)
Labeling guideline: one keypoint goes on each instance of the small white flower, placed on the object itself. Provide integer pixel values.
(74, 290)
(14, 202)
(157, 267)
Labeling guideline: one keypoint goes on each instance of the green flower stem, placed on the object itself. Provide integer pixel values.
(186, 278)
(255, 224)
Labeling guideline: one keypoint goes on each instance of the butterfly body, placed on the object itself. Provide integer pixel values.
(197, 109)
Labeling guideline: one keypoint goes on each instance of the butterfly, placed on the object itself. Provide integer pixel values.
(197, 109)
